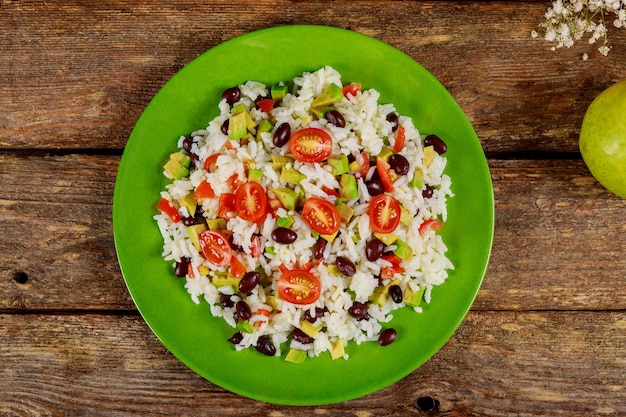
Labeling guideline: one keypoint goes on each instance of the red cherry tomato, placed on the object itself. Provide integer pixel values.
(363, 165)
(166, 207)
(298, 286)
(204, 190)
(400, 139)
(267, 104)
(226, 205)
(251, 201)
(351, 89)
(215, 248)
(321, 215)
(384, 212)
(311, 145)
(386, 174)
(430, 224)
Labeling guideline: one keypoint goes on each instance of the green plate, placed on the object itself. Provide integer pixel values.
(187, 102)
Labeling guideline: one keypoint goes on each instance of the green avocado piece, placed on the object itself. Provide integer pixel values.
(413, 298)
(339, 164)
(245, 327)
(295, 356)
(403, 250)
(287, 197)
(320, 112)
(348, 189)
(279, 161)
(286, 221)
(237, 128)
(189, 203)
(194, 233)
(384, 154)
(216, 224)
(264, 126)
(418, 179)
(255, 175)
(181, 158)
(345, 212)
(278, 92)
(291, 175)
(175, 169)
(222, 280)
(331, 94)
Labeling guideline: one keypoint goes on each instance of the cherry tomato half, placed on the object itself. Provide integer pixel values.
(311, 145)
(384, 212)
(251, 201)
(215, 248)
(351, 89)
(298, 286)
(430, 224)
(321, 215)
(387, 176)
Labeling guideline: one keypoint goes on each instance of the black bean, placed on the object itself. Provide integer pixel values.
(231, 95)
(374, 249)
(393, 118)
(299, 336)
(375, 187)
(187, 142)
(265, 346)
(399, 164)
(387, 337)
(437, 143)
(249, 280)
(428, 191)
(319, 312)
(182, 267)
(284, 236)
(224, 127)
(281, 134)
(335, 118)
(346, 266)
(243, 310)
(396, 294)
(236, 338)
(189, 220)
(318, 248)
(226, 301)
(358, 310)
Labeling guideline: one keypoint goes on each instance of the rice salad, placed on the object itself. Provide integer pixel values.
(305, 213)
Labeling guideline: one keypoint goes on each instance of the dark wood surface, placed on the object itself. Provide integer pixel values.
(547, 332)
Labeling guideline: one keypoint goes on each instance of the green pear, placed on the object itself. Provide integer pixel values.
(602, 138)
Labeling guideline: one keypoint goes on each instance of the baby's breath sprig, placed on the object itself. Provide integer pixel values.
(569, 20)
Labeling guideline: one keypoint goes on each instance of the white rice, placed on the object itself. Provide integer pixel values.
(365, 130)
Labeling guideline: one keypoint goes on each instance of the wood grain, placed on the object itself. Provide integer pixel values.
(81, 77)
(549, 363)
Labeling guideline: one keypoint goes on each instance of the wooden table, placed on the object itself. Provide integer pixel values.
(547, 333)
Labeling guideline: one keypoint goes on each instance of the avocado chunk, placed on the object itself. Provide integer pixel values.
(309, 329)
(237, 126)
(331, 94)
(295, 355)
(336, 349)
(291, 175)
(194, 232)
(345, 212)
(381, 293)
(405, 216)
(189, 203)
(255, 175)
(413, 298)
(385, 154)
(429, 155)
(403, 250)
(278, 92)
(348, 189)
(241, 108)
(216, 224)
(418, 179)
(223, 280)
(178, 165)
(264, 126)
(339, 164)
(279, 161)
(320, 112)
(386, 238)
(286, 196)
(245, 327)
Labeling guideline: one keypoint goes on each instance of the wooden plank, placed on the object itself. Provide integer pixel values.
(559, 240)
(82, 76)
(497, 364)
